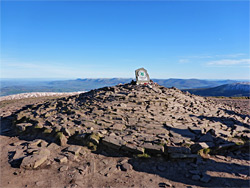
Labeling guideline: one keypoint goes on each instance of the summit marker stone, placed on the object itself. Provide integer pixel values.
(142, 76)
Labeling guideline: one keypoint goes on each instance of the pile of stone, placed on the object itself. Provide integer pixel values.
(39, 153)
(141, 120)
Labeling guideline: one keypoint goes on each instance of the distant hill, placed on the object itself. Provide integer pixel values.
(226, 90)
(191, 83)
(15, 87)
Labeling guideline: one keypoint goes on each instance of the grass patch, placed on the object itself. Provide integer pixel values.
(204, 151)
(144, 155)
(92, 146)
(47, 131)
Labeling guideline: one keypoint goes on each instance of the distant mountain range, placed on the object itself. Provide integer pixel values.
(227, 90)
(9, 87)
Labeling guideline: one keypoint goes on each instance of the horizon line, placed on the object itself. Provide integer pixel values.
(125, 78)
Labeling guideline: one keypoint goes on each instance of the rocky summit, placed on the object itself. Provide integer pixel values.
(137, 120)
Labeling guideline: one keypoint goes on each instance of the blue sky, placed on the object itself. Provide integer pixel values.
(104, 39)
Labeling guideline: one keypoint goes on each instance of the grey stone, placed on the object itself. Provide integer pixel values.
(126, 167)
(63, 168)
(132, 120)
(172, 149)
(23, 126)
(196, 147)
(72, 186)
(226, 146)
(81, 138)
(71, 156)
(194, 172)
(35, 142)
(161, 168)
(195, 130)
(182, 156)
(44, 151)
(18, 154)
(61, 139)
(220, 157)
(165, 184)
(83, 169)
(132, 148)
(206, 138)
(196, 177)
(53, 147)
(33, 161)
(118, 127)
(74, 149)
(205, 178)
(94, 138)
(61, 159)
(123, 105)
(105, 171)
(153, 148)
(18, 143)
(66, 131)
(112, 142)
(108, 171)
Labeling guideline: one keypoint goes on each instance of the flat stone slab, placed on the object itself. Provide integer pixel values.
(172, 149)
(74, 149)
(112, 142)
(35, 160)
(153, 148)
(18, 154)
(23, 126)
(131, 148)
(182, 156)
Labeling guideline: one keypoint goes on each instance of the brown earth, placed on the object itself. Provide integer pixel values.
(86, 168)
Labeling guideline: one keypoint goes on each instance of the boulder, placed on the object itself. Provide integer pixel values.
(132, 148)
(126, 167)
(61, 139)
(35, 160)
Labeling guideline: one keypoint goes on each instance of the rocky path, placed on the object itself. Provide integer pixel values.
(156, 153)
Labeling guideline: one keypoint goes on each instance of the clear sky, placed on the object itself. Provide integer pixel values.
(104, 39)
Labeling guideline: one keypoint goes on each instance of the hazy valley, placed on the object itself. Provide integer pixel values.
(194, 86)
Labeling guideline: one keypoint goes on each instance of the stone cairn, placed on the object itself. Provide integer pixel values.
(140, 120)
